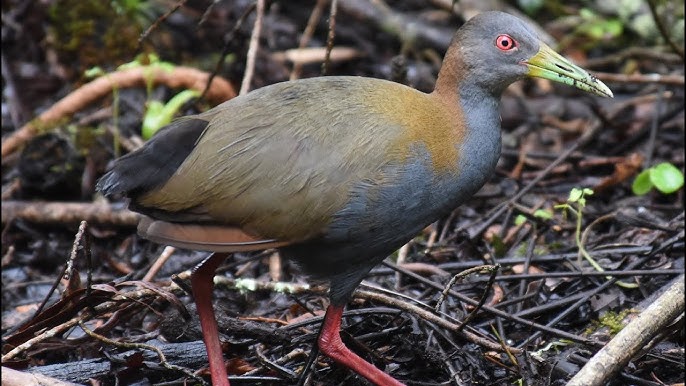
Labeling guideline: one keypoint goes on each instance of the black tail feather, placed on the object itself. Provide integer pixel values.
(153, 164)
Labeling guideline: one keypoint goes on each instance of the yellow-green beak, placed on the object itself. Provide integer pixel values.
(548, 64)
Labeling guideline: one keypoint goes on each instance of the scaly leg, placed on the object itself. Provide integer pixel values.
(330, 344)
(202, 284)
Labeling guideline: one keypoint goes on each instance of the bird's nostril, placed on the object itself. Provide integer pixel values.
(563, 68)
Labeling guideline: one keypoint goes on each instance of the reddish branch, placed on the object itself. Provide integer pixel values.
(178, 77)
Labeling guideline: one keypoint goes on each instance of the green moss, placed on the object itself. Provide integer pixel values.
(613, 321)
(85, 33)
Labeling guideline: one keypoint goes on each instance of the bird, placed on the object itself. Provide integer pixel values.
(335, 172)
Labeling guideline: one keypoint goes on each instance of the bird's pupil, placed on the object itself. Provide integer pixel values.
(505, 42)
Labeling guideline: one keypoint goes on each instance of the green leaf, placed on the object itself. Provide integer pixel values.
(520, 219)
(642, 183)
(666, 177)
(154, 119)
(94, 72)
(575, 194)
(561, 206)
(587, 14)
(543, 214)
(158, 115)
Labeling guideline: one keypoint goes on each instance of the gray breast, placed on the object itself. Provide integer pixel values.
(383, 214)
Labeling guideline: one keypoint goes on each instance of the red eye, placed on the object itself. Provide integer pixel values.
(505, 42)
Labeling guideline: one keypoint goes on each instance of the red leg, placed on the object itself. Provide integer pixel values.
(202, 283)
(331, 345)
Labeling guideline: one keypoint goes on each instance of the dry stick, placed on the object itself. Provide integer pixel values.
(289, 357)
(252, 48)
(75, 250)
(47, 334)
(11, 377)
(580, 274)
(252, 285)
(16, 108)
(178, 77)
(663, 30)
(547, 258)
(527, 263)
(631, 339)
(307, 34)
(66, 272)
(615, 59)
(303, 56)
(67, 212)
(446, 227)
(159, 20)
(206, 14)
(407, 28)
(159, 263)
(426, 269)
(331, 35)
(11, 188)
(227, 38)
(672, 80)
(448, 361)
(492, 269)
(402, 258)
(273, 366)
(433, 235)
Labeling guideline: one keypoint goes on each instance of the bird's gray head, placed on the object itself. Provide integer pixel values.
(491, 47)
(494, 49)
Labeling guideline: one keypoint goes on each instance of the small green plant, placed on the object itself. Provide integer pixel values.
(664, 177)
(576, 204)
(597, 27)
(543, 214)
(159, 114)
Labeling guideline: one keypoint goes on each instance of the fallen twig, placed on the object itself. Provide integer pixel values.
(67, 213)
(631, 339)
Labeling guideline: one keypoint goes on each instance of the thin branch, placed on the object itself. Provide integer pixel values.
(252, 48)
(330, 36)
